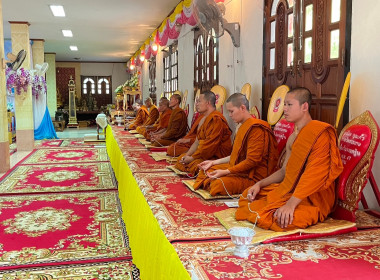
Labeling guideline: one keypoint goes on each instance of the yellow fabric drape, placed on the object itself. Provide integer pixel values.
(151, 251)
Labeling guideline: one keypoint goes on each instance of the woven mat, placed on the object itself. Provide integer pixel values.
(227, 219)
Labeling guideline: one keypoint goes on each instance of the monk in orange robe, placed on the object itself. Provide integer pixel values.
(184, 144)
(254, 154)
(141, 115)
(213, 139)
(163, 120)
(302, 192)
(177, 125)
(153, 115)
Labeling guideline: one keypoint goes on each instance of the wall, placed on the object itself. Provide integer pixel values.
(365, 60)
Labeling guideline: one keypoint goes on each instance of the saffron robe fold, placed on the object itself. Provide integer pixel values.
(141, 116)
(176, 149)
(254, 156)
(161, 123)
(310, 174)
(152, 118)
(214, 141)
(176, 129)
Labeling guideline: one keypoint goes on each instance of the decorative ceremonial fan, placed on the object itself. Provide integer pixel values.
(276, 105)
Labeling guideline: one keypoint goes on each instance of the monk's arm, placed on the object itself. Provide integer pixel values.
(193, 148)
(208, 147)
(255, 148)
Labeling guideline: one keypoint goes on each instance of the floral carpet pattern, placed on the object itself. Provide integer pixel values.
(118, 270)
(350, 256)
(64, 155)
(59, 178)
(181, 214)
(139, 160)
(61, 228)
(60, 216)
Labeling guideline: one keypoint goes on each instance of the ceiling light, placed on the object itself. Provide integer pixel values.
(73, 48)
(154, 47)
(57, 11)
(67, 33)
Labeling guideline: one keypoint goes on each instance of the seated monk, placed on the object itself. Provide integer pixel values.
(213, 139)
(254, 154)
(302, 192)
(153, 115)
(183, 145)
(163, 120)
(177, 126)
(141, 115)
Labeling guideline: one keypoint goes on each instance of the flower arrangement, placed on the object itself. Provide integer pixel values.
(19, 80)
(133, 82)
(119, 89)
(38, 86)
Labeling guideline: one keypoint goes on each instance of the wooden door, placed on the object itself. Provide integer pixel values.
(304, 46)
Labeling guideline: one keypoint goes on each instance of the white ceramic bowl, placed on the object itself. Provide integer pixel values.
(241, 237)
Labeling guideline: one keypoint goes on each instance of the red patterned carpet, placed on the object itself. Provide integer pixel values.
(58, 178)
(350, 256)
(61, 228)
(182, 214)
(117, 270)
(65, 155)
(139, 160)
(60, 216)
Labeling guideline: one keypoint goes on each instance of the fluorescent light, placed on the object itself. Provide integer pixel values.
(67, 33)
(73, 48)
(57, 11)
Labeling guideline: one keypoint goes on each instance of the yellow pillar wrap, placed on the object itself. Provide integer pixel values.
(4, 144)
(151, 251)
(23, 102)
(38, 50)
(51, 84)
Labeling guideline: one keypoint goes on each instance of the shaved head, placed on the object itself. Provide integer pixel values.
(178, 97)
(303, 95)
(164, 101)
(238, 99)
(210, 97)
(148, 99)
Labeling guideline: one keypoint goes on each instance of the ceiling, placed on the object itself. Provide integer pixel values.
(104, 31)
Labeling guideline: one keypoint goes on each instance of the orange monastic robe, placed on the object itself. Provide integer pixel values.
(153, 116)
(254, 156)
(214, 137)
(176, 149)
(142, 115)
(176, 129)
(312, 168)
(161, 123)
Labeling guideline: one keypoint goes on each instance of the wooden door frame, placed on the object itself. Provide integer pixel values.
(347, 58)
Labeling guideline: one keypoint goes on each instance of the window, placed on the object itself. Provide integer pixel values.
(170, 71)
(206, 60)
(100, 89)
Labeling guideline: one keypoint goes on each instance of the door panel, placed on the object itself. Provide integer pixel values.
(315, 29)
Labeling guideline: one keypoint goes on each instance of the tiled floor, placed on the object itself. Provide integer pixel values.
(67, 133)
